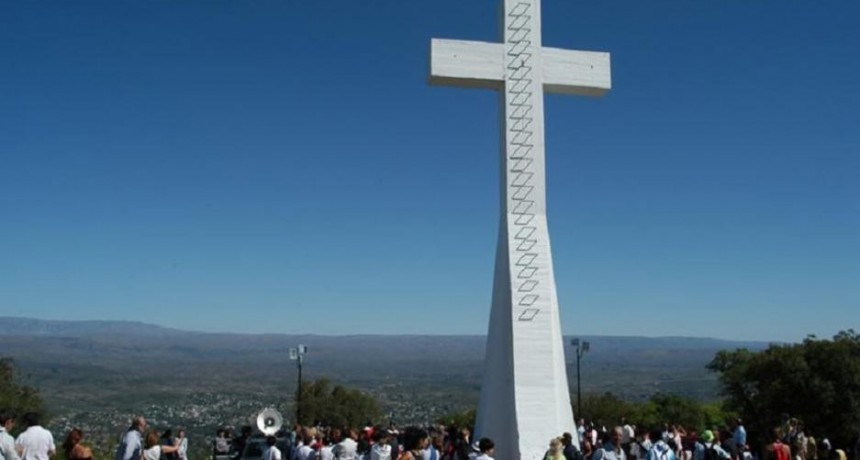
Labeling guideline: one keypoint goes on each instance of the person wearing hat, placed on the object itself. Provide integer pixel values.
(707, 449)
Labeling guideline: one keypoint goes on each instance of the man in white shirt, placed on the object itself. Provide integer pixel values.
(580, 430)
(35, 443)
(271, 452)
(628, 435)
(346, 449)
(8, 451)
(305, 451)
(487, 448)
(611, 450)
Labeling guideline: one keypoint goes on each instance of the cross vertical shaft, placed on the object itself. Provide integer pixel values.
(525, 399)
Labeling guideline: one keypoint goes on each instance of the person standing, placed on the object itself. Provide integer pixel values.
(131, 445)
(740, 435)
(556, 450)
(487, 448)
(628, 435)
(241, 441)
(777, 450)
(346, 449)
(271, 452)
(35, 443)
(325, 452)
(430, 450)
(8, 451)
(659, 450)
(74, 449)
(168, 440)
(569, 450)
(463, 445)
(154, 450)
(380, 450)
(640, 446)
(306, 452)
(182, 444)
(707, 448)
(612, 450)
(580, 430)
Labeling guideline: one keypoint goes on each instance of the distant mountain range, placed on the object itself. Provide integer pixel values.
(42, 327)
(105, 370)
(21, 327)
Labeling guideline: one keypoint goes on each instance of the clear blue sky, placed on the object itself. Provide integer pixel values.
(283, 166)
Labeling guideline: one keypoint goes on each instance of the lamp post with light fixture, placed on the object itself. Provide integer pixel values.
(581, 348)
(297, 354)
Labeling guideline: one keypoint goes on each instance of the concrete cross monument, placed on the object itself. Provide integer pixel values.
(525, 399)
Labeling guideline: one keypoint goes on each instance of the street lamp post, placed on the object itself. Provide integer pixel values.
(297, 354)
(581, 348)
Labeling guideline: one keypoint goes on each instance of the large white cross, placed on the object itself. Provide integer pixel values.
(525, 398)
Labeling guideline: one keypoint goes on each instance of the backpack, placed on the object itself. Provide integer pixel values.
(571, 452)
(779, 452)
(710, 453)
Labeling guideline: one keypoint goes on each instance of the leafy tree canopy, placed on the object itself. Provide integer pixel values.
(335, 405)
(16, 397)
(463, 419)
(816, 381)
(607, 410)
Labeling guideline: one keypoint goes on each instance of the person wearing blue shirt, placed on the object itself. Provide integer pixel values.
(131, 446)
(660, 450)
(740, 435)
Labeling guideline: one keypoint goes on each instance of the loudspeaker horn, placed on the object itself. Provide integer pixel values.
(269, 421)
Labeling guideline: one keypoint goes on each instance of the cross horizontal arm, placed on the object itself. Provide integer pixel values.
(482, 65)
(467, 63)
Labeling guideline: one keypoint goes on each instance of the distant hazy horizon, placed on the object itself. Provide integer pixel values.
(481, 335)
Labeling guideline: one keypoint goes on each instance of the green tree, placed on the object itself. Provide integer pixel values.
(673, 409)
(15, 396)
(817, 381)
(605, 409)
(335, 405)
(463, 419)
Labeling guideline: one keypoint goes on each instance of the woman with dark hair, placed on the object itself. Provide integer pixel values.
(415, 440)
(167, 440)
(73, 447)
(152, 448)
(587, 448)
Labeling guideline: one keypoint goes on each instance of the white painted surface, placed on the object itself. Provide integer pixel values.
(481, 65)
(525, 399)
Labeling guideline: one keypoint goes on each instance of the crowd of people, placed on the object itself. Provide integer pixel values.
(139, 444)
(37, 443)
(369, 443)
(789, 441)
